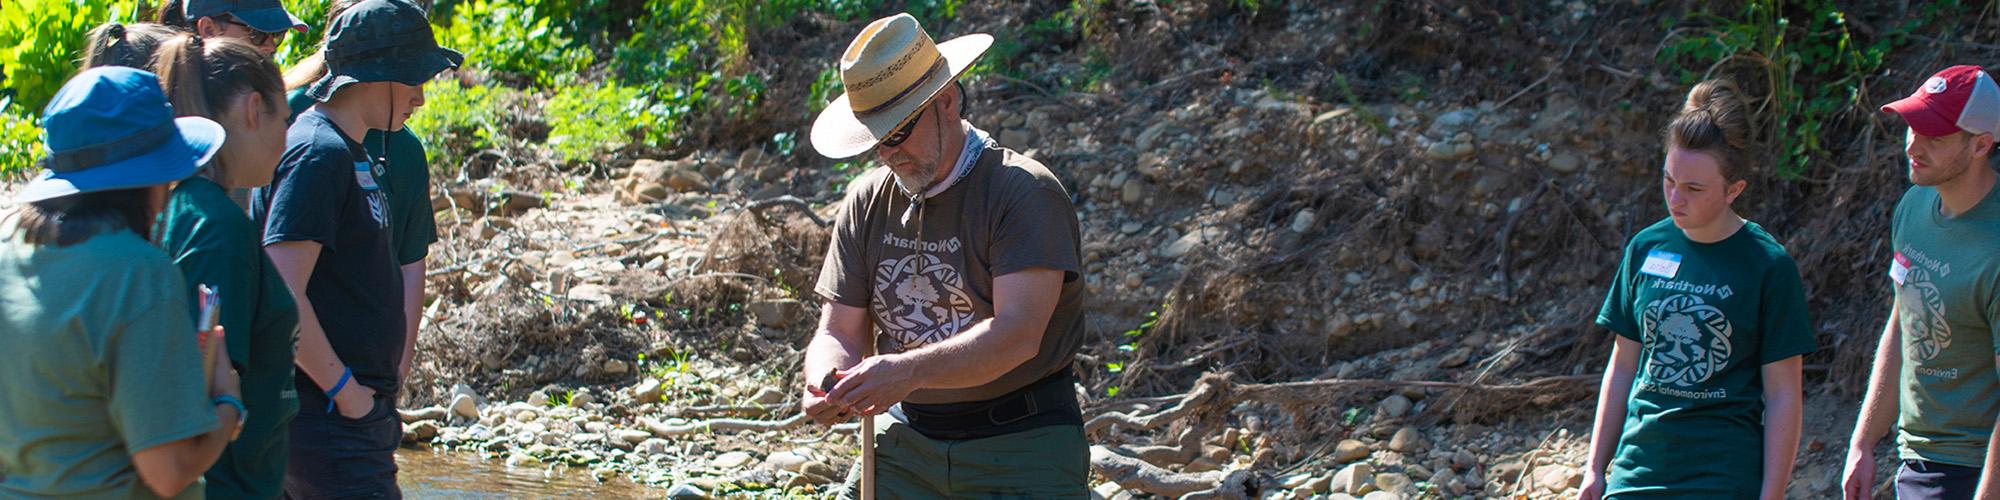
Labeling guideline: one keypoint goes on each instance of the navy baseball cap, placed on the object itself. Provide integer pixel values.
(111, 128)
(267, 16)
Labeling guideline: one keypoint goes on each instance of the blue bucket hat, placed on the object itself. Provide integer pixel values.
(111, 128)
(381, 41)
(267, 16)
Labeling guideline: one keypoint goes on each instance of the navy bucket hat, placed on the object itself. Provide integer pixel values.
(381, 41)
(111, 128)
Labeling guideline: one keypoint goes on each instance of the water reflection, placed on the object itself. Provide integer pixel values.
(434, 474)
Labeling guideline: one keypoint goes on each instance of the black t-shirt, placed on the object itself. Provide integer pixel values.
(325, 191)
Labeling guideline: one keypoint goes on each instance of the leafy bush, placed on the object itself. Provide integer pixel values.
(41, 41)
(514, 37)
(20, 143)
(586, 120)
(456, 120)
(297, 45)
(1813, 68)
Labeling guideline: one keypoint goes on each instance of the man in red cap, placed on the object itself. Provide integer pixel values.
(1934, 377)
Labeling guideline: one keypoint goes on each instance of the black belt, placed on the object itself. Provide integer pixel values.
(1045, 402)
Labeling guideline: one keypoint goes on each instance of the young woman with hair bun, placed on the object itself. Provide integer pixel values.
(1701, 398)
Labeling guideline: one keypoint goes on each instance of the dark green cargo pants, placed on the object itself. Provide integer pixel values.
(1047, 462)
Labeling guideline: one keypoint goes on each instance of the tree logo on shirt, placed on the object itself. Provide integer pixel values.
(1688, 338)
(1925, 331)
(921, 302)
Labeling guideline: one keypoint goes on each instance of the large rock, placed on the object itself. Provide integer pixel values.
(1557, 477)
(648, 391)
(1565, 162)
(1355, 479)
(1350, 450)
(1394, 482)
(732, 460)
(1187, 243)
(686, 492)
(632, 436)
(1406, 440)
(1394, 406)
(786, 461)
(464, 406)
(420, 432)
(778, 313)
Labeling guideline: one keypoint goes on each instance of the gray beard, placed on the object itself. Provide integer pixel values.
(915, 184)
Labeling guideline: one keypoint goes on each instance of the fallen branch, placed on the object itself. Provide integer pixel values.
(787, 201)
(1137, 475)
(1204, 390)
(662, 429)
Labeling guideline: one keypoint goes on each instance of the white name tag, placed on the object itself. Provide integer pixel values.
(1899, 268)
(1662, 263)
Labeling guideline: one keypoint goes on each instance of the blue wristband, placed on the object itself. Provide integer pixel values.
(330, 393)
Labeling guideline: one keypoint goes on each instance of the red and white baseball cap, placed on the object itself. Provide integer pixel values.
(1958, 98)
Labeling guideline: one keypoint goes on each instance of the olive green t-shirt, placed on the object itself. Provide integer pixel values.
(1946, 274)
(412, 224)
(1708, 317)
(101, 363)
(215, 244)
(922, 286)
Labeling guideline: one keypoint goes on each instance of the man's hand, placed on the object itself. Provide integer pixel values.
(822, 410)
(1858, 482)
(875, 384)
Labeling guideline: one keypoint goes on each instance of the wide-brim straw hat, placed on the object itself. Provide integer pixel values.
(890, 71)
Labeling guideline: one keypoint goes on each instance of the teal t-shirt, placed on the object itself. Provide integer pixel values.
(1708, 317)
(412, 224)
(215, 243)
(101, 363)
(1946, 273)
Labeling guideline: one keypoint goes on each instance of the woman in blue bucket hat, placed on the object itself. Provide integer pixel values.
(102, 394)
(326, 227)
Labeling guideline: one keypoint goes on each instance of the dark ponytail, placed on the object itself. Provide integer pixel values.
(171, 14)
(128, 45)
(204, 78)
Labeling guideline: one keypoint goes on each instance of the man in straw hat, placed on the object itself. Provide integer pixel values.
(964, 257)
(1934, 381)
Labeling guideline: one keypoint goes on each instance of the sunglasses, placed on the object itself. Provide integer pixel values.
(256, 37)
(902, 133)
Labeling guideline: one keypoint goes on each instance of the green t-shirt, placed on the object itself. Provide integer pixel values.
(412, 224)
(1945, 272)
(215, 243)
(1708, 317)
(101, 362)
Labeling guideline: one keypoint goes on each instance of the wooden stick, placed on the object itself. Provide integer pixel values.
(867, 458)
(867, 444)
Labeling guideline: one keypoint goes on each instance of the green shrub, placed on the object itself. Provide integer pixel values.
(457, 120)
(601, 117)
(514, 37)
(299, 45)
(1813, 68)
(20, 143)
(41, 41)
